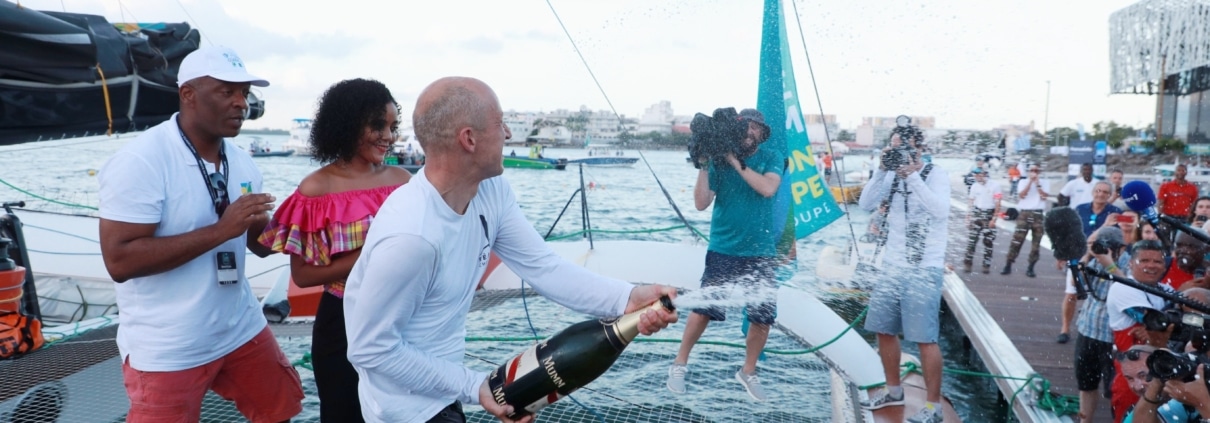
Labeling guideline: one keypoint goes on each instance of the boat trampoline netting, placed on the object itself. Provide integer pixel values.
(79, 378)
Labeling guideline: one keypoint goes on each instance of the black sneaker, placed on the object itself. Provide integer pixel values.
(1008, 270)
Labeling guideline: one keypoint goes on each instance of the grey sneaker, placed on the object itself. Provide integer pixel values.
(676, 378)
(882, 399)
(927, 415)
(751, 384)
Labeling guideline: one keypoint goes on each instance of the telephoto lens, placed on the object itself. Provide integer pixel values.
(1168, 365)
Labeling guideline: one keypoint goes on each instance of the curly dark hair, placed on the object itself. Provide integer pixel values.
(342, 115)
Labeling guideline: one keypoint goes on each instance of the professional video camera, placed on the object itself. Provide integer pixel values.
(904, 153)
(713, 137)
(1188, 327)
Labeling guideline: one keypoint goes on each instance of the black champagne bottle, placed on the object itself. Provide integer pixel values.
(570, 359)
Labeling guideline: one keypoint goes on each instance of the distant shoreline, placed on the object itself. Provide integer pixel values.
(264, 132)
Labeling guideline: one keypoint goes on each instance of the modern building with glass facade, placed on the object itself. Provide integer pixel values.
(1162, 47)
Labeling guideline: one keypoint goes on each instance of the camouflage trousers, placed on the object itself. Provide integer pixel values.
(980, 228)
(1027, 220)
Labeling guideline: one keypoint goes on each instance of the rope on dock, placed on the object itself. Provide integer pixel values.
(62, 203)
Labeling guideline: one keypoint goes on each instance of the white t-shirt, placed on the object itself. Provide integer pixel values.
(1122, 297)
(1079, 191)
(406, 300)
(1033, 198)
(985, 194)
(929, 203)
(181, 318)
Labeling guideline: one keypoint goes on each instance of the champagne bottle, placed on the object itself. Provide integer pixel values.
(570, 359)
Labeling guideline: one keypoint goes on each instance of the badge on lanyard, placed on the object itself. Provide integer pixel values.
(227, 271)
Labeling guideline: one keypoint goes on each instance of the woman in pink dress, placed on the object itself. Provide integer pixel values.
(323, 224)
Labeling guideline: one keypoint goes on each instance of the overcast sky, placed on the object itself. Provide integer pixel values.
(971, 65)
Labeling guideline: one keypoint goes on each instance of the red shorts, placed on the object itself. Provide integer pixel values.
(256, 376)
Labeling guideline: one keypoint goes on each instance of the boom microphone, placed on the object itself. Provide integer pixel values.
(1067, 238)
(1066, 232)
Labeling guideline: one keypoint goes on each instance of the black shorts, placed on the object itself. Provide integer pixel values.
(1094, 363)
(756, 274)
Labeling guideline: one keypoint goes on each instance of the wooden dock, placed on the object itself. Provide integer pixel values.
(1013, 320)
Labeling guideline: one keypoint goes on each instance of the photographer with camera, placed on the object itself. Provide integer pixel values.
(1032, 204)
(908, 300)
(1094, 340)
(740, 179)
(1128, 310)
(1177, 390)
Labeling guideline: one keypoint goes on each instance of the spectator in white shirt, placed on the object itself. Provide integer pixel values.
(981, 219)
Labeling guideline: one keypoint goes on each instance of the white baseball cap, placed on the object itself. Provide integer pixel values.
(220, 63)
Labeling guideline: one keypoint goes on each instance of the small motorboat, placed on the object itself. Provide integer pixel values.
(257, 149)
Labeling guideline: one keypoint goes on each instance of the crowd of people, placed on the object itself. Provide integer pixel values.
(1115, 324)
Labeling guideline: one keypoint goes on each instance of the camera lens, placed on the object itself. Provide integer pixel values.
(1166, 365)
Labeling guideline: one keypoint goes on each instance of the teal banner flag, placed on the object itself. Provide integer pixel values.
(803, 200)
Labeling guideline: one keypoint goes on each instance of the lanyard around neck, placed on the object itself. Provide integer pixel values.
(201, 165)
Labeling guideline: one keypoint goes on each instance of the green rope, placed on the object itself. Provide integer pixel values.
(2, 181)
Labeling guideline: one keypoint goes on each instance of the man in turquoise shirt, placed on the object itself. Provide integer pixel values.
(742, 247)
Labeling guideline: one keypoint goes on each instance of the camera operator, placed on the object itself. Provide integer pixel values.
(742, 246)
(1094, 340)
(908, 301)
(1127, 308)
(1174, 399)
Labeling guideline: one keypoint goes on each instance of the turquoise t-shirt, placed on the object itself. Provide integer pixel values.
(742, 224)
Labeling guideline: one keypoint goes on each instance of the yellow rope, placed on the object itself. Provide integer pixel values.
(105, 90)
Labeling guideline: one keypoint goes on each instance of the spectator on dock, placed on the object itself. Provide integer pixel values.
(1092, 216)
(1030, 208)
(1115, 180)
(984, 206)
(1079, 190)
(1014, 177)
(1132, 370)
(907, 299)
(1176, 196)
(1128, 221)
(1200, 213)
(176, 247)
(1188, 255)
(1127, 306)
(1094, 340)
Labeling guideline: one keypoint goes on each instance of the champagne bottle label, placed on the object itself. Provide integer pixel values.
(532, 371)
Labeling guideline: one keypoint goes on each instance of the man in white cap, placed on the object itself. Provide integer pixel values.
(177, 204)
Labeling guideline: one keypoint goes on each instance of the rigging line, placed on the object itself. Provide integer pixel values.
(194, 21)
(826, 135)
(122, 11)
(131, 12)
(619, 117)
